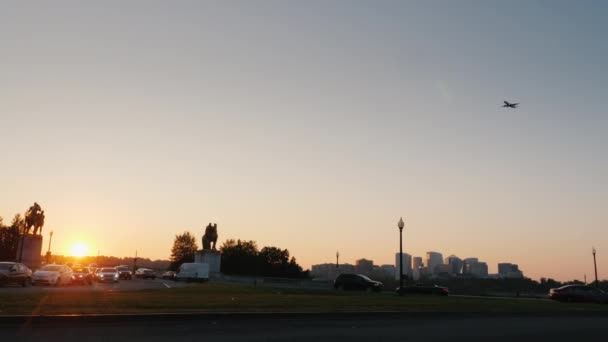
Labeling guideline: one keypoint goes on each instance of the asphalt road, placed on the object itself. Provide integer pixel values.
(122, 285)
(322, 327)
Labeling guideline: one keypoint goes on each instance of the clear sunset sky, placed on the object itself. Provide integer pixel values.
(312, 126)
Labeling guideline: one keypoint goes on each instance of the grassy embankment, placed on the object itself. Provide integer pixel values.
(213, 297)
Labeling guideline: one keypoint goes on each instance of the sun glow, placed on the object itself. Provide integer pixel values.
(79, 249)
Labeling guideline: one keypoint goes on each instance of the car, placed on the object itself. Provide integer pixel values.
(578, 293)
(15, 273)
(424, 289)
(107, 274)
(356, 282)
(144, 273)
(169, 275)
(124, 272)
(52, 274)
(81, 275)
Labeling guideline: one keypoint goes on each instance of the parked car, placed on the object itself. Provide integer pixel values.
(424, 289)
(124, 272)
(144, 273)
(191, 271)
(107, 274)
(169, 275)
(578, 293)
(356, 282)
(15, 273)
(52, 274)
(81, 275)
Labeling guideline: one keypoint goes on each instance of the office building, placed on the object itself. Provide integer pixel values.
(407, 265)
(433, 259)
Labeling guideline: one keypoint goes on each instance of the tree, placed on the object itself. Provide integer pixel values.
(184, 248)
(243, 258)
(9, 238)
(239, 257)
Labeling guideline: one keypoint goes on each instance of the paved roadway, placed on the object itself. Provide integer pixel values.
(322, 327)
(123, 285)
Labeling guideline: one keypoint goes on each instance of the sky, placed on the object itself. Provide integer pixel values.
(312, 126)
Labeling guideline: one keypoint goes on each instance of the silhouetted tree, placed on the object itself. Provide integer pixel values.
(243, 258)
(184, 248)
(9, 238)
(239, 257)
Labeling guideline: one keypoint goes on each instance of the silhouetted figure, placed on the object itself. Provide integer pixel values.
(210, 236)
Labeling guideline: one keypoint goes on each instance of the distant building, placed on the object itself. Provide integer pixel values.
(416, 267)
(388, 270)
(443, 270)
(455, 264)
(466, 265)
(508, 270)
(407, 265)
(364, 266)
(433, 259)
(473, 267)
(330, 271)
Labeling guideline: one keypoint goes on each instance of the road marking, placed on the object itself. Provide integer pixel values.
(167, 285)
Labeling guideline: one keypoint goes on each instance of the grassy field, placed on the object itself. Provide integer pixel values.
(213, 297)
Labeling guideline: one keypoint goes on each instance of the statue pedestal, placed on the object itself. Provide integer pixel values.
(210, 257)
(32, 251)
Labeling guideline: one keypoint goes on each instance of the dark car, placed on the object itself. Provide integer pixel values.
(356, 282)
(579, 293)
(424, 289)
(81, 275)
(124, 272)
(15, 273)
(169, 275)
(144, 273)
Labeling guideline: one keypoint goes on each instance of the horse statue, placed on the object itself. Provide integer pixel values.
(210, 236)
(34, 217)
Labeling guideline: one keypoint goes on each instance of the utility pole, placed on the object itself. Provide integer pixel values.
(135, 262)
(597, 284)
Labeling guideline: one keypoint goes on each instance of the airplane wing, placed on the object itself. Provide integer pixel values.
(507, 103)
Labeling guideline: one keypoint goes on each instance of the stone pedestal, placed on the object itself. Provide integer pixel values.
(210, 257)
(32, 251)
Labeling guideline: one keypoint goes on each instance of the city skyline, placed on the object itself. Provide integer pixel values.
(312, 126)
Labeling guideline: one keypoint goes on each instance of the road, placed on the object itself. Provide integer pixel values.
(322, 327)
(123, 285)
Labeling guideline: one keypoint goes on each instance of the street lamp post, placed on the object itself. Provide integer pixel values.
(400, 224)
(597, 284)
(337, 263)
(48, 252)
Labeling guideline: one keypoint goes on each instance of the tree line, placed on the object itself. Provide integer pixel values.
(9, 237)
(241, 258)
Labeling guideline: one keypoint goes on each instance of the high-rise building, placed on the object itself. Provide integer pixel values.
(407, 265)
(432, 260)
(466, 265)
(455, 264)
(475, 268)
(364, 266)
(416, 267)
(508, 270)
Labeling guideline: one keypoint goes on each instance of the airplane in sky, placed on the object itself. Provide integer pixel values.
(510, 105)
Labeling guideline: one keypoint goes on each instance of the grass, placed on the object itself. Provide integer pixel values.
(213, 297)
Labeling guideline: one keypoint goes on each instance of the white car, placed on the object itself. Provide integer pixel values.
(54, 275)
(107, 274)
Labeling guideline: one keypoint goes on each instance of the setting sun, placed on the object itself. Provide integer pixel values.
(79, 249)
